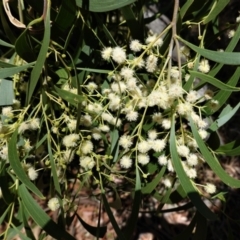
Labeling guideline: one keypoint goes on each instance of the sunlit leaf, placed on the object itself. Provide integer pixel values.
(6, 92)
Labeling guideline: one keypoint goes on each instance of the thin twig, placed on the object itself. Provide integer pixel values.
(174, 39)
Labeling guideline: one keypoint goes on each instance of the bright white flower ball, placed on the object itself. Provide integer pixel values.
(87, 162)
(231, 34)
(192, 159)
(96, 134)
(125, 141)
(104, 128)
(126, 73)
(71, 124)
(210, 188)
(7, 111)
(53, 204)
(175, 91)
(192, 96)
(174, 73)
(126, 162)
(32, 173)
(144, 146)
(159, 41)
(86, 147)
(34, 123)
(131, 83)
(92, 86)
(170, 166)
(167, 181)
(132, 116)
(143, 158)
(162, 160)
(184, 108)
(202, 123)
(158, 145)
(183, 150)
(204, 66)
(203, 134)
(119, 55)
(152, 134)
(151, 63)
(106, 53)
(70, 140)
(107, 117)
(135, 46)
(191, 173)
(166, 123)
(118, 87)
(23, 127)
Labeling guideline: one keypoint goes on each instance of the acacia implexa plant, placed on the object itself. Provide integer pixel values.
(92, 97)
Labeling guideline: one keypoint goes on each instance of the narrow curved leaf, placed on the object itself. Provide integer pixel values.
(102, 6)
(201, 228)
(95, 231)
(24, 219)
(176, 209)
(40, 217)
(112, 219)
(24, 48)
(187, 232)
(132, 221)
(2, 217)
(17, 167)
(218, 6)
(213, 81)
(234, 41)
(10, 71)
(211, 161)
(228, 58)
(72, 98)
(5, 44)
(222, 96)
(225, 117)
(53, 168)
(185, 7)
(150, 186)
(36, 72)
(184, 179)
(229, 149)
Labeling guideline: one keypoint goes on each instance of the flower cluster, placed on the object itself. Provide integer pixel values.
(122, 122)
